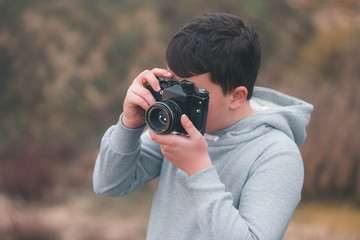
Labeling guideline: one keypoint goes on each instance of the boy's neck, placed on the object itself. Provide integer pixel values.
(243, 112)
(236, 115)
(246, 110)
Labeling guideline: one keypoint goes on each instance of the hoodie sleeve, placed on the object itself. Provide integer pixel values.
(267, 202)
(126, 161)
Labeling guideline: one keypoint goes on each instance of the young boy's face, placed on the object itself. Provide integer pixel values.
(218, 105)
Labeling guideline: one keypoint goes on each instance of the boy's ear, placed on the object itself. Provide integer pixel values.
(238, 97)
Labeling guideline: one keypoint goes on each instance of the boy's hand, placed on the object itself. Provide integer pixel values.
(138, 99)
(187, 153)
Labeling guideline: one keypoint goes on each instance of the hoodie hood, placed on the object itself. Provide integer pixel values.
(273, 109)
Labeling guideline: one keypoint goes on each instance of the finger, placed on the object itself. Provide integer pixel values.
(152, 80)
(165, 139)
(147, 77)
(161, 72)
(157, 137)
(143, 93)
(189, 127)
(140, 101)
(150, 77)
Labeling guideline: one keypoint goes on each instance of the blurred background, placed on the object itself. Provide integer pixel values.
(65, 66)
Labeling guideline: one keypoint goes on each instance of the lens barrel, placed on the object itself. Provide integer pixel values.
(163, 117)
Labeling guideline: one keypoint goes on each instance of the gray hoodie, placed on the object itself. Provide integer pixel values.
(250, 192)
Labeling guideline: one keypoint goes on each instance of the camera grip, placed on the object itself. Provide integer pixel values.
(198, 118)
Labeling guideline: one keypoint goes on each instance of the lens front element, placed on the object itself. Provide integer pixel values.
(159, 119)
(163, 117)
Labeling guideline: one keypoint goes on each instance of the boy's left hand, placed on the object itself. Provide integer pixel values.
(189, 153)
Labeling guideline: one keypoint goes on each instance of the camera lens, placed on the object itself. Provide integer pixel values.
(163, 117)
(158, 119)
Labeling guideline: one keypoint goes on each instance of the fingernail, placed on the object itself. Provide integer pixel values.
(184, 117)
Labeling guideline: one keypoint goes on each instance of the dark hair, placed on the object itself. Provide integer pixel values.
(219, 44)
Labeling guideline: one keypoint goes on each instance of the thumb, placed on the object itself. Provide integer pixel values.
(189, 126)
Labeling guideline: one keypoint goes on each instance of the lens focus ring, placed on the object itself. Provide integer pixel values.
(163, 117)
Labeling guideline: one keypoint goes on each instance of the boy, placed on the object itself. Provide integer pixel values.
(243, 178)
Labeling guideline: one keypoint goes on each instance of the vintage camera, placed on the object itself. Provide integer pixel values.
(173, 100)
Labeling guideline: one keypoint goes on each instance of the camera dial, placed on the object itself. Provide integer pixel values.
(201, 92)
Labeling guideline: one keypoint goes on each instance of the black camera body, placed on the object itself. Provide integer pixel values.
(173, 100)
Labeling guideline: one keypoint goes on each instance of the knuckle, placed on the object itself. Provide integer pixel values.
(142, 76)
(153, 136)
(172, 145)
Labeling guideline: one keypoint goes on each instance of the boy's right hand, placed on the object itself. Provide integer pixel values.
(138, 98)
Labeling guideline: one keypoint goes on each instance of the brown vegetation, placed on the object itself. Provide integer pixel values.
(65, 67)
(326, 74)
(27, 228)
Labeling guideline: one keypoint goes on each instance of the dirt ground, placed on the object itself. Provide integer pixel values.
(89, 217)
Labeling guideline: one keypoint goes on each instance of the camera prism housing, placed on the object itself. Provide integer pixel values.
(174, 100)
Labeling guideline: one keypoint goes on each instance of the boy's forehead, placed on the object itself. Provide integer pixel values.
(176, 78)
